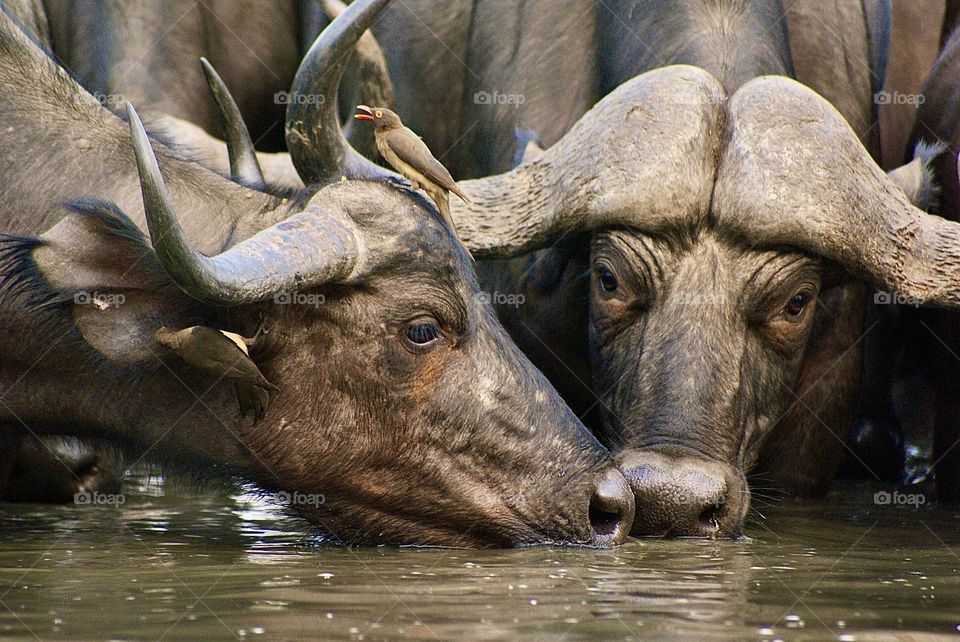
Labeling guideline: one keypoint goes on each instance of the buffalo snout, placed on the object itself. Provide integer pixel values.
(611, 509)
(683, 494)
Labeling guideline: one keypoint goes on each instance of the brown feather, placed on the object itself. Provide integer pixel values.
(411, 150)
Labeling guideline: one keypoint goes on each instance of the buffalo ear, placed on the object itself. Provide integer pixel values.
(110, 283)
(917, 179)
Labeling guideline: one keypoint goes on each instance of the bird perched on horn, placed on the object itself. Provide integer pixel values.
(409, 155)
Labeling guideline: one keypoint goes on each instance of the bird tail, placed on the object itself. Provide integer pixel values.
(266, 385)
(459, 192)
(443, 204)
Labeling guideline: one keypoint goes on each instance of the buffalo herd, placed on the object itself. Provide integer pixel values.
(703, 245)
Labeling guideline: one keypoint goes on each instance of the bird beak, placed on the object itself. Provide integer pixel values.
(365, 116)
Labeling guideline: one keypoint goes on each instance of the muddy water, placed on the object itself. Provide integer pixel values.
(173, 565)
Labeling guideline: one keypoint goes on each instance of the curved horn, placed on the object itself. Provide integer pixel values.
(374, 86)
(643, 157)
(303, 251)
(317, 146)
(244, 166)
(795, 174)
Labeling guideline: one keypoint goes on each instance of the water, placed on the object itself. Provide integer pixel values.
(172, 565)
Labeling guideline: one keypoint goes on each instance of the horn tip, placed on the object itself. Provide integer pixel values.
(208, 69)
(133, 118)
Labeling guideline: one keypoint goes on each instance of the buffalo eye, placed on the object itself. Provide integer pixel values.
(606, 279)
(422, 334)
(797, 304)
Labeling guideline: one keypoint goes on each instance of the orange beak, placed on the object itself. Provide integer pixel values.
(368, 115)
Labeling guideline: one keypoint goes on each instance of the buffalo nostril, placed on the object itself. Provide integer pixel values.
(709, 519)
(611, 509)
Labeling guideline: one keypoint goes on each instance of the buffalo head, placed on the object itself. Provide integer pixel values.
(402, 403)
(729, 242)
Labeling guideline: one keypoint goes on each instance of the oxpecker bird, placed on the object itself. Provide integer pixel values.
(222, 354)
(410, 156)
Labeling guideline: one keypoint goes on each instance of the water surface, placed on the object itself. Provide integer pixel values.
(175, 566)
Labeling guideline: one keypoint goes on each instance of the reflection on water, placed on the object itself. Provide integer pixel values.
(175, 565)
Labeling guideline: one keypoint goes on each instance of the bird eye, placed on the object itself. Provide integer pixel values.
(606, 279)
(378, 114)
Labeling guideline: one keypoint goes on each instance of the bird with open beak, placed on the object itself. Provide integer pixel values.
(411, 157)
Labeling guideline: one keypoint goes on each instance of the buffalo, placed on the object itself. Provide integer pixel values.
(404, 413)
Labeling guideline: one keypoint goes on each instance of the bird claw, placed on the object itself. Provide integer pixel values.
(261, 328)
(252, 400)
(402, 183)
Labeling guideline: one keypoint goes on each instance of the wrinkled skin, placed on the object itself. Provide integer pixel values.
(418, 405)
(459, 442)
(723, 345)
